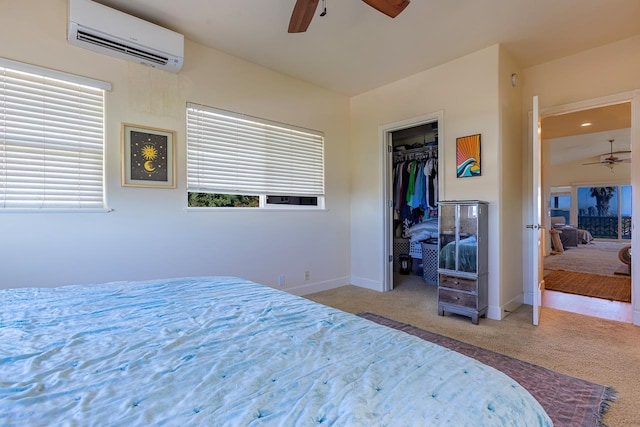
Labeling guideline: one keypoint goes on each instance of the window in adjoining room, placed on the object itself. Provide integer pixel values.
(234, 160)
(604, 213)
(51, 139)
(560, 203)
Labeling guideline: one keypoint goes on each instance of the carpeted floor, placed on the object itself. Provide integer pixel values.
(567, 400)
(596, 350)
(615, 288)
(598, 257)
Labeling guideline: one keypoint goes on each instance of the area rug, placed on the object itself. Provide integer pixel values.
(615, 288)
(597, 258)
(569, 401)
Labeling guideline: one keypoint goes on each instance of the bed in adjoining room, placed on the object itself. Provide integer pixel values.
(226, 351)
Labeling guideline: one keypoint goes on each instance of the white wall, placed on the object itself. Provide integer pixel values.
(510, 190)
(606, 70)
(149, 234)
(596, 73)
(467, 90)
(576, 173)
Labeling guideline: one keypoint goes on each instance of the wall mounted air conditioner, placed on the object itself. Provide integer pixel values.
(109, 31)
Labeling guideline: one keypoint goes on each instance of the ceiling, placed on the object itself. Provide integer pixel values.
(571, 142)
(354, 48)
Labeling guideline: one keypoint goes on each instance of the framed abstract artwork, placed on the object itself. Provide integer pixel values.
(468, 156)
(148, 157)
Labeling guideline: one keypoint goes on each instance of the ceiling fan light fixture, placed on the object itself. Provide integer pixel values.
(610, 160)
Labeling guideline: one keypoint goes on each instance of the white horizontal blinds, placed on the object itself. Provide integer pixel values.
(234, 154)
(51, 141)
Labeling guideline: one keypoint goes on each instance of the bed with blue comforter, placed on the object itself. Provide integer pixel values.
(224, 351)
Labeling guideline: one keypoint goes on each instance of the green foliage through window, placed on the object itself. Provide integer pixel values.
(222, 200)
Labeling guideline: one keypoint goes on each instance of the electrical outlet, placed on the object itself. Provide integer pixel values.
(281, 280)
(307, 275)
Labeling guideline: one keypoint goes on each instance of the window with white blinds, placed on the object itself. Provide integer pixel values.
(51, 139)
(230, 153)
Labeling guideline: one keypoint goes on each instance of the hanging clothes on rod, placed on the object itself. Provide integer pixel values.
(415, 184)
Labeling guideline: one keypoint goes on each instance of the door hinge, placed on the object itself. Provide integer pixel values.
(390, 258)
(389, 149)
(390, 203)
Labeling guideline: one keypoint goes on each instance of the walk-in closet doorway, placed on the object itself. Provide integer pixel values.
(417, 146)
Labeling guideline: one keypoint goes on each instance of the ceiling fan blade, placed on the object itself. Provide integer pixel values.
(611, 160)
(391, 8)
(302, 15)
(608, 161)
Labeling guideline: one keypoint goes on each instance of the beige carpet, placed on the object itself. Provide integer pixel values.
(614, 288)
(598, 257)
(596, 350)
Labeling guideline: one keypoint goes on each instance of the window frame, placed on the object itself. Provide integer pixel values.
(30, 132)
(618, 205)
(201, 140)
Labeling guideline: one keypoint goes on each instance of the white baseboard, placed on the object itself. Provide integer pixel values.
(374, 285)
(500, 312)
(310, 288)
(494, 313)
(514, 303)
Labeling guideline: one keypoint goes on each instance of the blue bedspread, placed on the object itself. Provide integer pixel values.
(223, 351)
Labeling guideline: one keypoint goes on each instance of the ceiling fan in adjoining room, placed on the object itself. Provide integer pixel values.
(304, 10)
(612, 159)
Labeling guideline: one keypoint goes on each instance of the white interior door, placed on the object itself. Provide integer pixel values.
(388, 212)
(535, 217)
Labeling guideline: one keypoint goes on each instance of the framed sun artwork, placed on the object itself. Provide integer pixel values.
(468, 156)
(148, 157)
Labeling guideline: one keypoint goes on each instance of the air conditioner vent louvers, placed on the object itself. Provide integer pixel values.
(101, 29)
(120, 47)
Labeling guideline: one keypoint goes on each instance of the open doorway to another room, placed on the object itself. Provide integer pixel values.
(586, 165)
(414, 196)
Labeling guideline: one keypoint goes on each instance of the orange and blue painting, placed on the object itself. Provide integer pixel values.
(468, 156)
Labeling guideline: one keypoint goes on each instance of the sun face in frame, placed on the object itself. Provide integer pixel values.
(149, 152)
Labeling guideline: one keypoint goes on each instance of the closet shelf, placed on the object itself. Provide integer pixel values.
(428, 151)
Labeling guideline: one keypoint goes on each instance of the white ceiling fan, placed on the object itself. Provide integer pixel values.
(612, 159)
